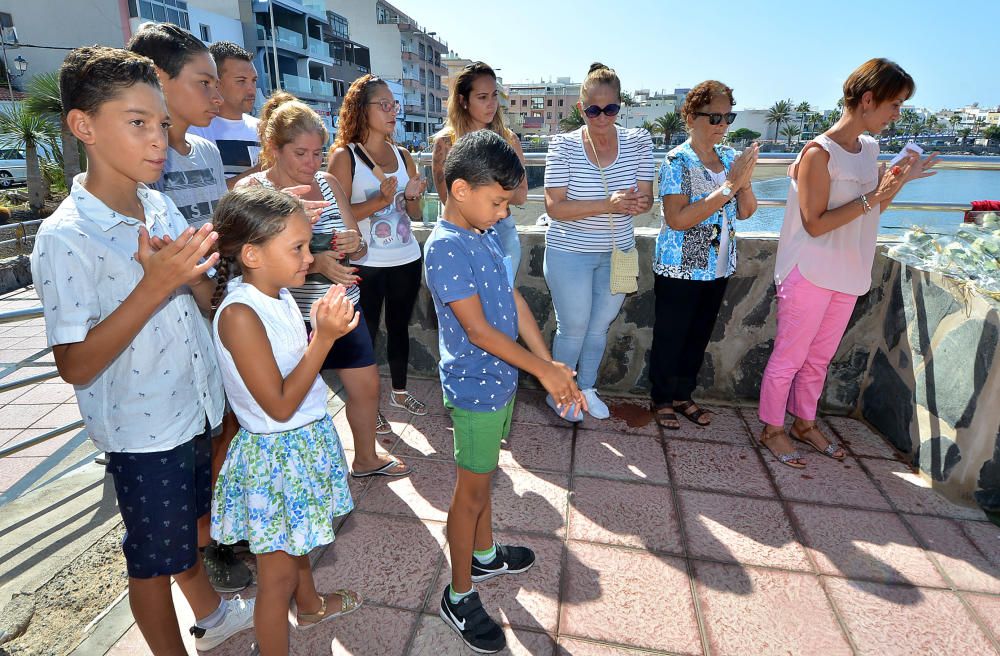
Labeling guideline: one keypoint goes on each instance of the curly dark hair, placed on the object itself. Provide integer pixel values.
(702, 94)
(352, 126)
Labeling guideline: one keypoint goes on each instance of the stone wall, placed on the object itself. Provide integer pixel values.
(15, 273)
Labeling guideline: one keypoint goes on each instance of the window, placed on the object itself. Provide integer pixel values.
(524, 102)
(205, 32)
(423, 51)
(560, 115)
(339, 25)
(171, 11)
(548, 115)
(537, 102)
(560, 102)
(548, 103)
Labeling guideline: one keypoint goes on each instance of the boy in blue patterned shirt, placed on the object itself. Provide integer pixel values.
(480, 316)
(122, 279)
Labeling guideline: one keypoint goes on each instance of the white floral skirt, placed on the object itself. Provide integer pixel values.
(282, 491)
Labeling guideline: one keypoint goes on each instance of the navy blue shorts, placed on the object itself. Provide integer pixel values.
(353, 350)
(161, 495)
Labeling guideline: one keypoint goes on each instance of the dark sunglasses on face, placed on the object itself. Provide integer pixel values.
(715, 117)
(608, 110)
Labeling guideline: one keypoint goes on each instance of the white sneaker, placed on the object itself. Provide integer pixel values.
(239, 616)
(596, 408)
(574, 415)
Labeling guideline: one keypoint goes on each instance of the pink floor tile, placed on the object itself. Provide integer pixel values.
(859, 439)
(430, 436)
(629, 416)
(12, 469)
(369, 630)
(382, 442)
(23, 416)
(530, 446)
(64, 414)
(727, 427)
(986, 536)
(627, 457)
(864, 544)
(890, 619)
(14, 394)
(756, 611)
(960, 559)
(740, 529)
(424, 390)
(424, 494)
(529, 501)
(529, 600)
(628, 597)
(531, 408)
(736, 470)
(825, 480)
(47, 447)
(388, 560)
(574, 647)
(7, 435)
(628, 514)
(911, 493)
(47, 393)
(435, 638)
(131, 644)
(988, 610)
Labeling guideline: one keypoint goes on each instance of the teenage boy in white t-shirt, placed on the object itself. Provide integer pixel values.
(234, 130)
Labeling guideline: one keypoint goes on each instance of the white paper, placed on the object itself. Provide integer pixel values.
(906, 150)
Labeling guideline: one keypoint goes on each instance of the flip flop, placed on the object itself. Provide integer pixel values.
(384, 470)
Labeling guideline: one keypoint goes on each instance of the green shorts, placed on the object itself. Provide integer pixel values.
(478, 436)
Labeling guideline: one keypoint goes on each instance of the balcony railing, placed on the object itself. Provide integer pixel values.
(296, 84)
(321, 88)
(290, 38)
(319, 49)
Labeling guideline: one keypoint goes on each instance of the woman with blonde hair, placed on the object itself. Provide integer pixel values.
(385, 193)
(293, 139)
(474, 104)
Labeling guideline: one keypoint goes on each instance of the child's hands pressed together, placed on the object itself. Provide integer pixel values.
(168, 264)
(333, 316)
(558, 380)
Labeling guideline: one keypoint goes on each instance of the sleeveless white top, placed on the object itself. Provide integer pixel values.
(840, 260)
(388, 232)
(287, 334)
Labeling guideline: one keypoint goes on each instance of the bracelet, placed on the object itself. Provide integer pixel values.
(362, 247)
(864, 203)
(411, 199)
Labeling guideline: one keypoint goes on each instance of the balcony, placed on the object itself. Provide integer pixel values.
(319, 49)
(290, 38)
(296, 84)
(321, 88)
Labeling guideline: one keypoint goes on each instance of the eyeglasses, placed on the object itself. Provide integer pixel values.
(608, 110)
(715, 117)
(386, 106)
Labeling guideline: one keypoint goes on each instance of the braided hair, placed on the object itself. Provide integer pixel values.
(247, 215)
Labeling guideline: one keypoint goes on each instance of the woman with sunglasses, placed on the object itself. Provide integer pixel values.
(826, 251)
(474, 104)
(705, 189)
(596, 179)
(385, 194)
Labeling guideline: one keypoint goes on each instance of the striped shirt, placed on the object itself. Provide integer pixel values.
(329, 222)
(566, 165)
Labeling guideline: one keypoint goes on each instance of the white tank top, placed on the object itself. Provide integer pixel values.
(287, 334)
(388, 232)
(840, 260)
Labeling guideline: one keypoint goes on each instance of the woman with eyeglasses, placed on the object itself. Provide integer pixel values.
(596, 179)
(474, 104)
(826, 250)
(705, 189)
(385, 191)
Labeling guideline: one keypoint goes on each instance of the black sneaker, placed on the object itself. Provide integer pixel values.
(509, 560)
(225, 572)
(470, 620)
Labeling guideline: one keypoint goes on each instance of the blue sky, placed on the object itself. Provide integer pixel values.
(766, 51)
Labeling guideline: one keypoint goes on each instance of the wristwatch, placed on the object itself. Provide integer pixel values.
(727, 190)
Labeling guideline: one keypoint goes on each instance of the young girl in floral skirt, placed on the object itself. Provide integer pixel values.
(285, 478)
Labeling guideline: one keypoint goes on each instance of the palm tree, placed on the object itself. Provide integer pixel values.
(668, 125)
(779, 113)
(24, 130)
(572, 121)
(964, 133)
(44, 100)
(955, 119)
(910, 119)
(978, 124)
(803, 109)
(790, 131)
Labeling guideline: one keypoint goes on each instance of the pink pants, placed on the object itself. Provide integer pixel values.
(811, 323)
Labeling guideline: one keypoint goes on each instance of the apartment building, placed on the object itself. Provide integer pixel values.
(536, 109)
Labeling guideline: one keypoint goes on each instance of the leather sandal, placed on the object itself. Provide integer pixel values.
(693, 413)
(831, 449)
(791, 459)
(666, 418)
(350, 601)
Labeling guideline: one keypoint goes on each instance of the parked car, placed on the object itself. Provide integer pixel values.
(13, 168)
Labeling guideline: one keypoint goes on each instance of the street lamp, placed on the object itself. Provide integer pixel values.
(427, 97)
(20, 65)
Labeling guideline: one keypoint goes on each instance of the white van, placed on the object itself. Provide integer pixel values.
(13, 168)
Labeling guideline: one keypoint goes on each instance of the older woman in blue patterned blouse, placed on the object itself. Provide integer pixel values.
(705, 188)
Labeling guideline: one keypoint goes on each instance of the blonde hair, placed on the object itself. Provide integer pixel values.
(459, 121)
(282, 119)
(597, 75)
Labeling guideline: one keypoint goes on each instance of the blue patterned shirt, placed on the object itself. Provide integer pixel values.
(692, 254)
(461, 263)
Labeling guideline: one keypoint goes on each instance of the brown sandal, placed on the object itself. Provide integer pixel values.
(792, 459)
(831, 447)
(666, 418)
(693, 413)
(350, 601)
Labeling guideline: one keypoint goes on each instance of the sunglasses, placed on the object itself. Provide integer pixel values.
(608, 110)
(386, 106)
(715, 118)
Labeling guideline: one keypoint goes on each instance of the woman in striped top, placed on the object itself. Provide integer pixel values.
(596, 179)
(292, 138)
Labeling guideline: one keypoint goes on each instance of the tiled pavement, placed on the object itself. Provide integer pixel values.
(689, 542)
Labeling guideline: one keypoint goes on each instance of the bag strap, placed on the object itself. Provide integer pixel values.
(604, 181)
(369, 161)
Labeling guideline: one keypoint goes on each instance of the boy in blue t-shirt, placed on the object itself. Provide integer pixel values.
(480, 316)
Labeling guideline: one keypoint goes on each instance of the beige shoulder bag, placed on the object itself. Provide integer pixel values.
(624, 264)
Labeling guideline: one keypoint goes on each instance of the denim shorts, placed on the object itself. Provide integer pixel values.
(161, 495)
(352, 351)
